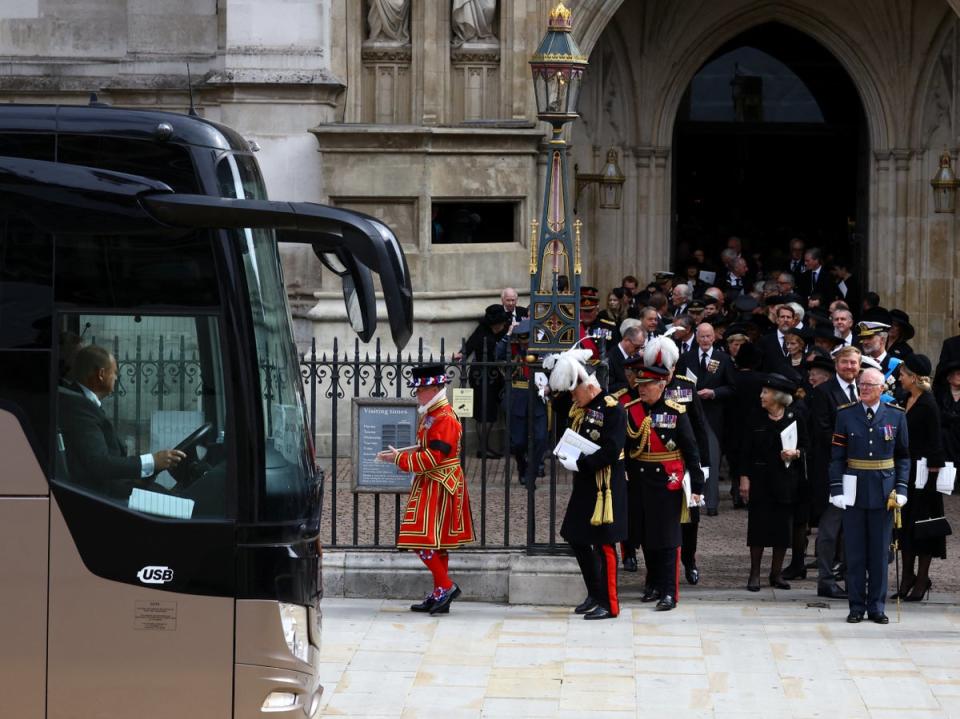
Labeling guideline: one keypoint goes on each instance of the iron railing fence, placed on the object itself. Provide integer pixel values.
(506, 513)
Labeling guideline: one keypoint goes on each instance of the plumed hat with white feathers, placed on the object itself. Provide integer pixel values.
(660, 352)
(568, 369)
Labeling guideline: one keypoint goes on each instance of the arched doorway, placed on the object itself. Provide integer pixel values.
(771, 143)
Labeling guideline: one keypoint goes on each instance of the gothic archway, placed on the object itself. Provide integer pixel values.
(769, 143)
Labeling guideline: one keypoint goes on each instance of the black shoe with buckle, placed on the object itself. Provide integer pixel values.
(425, 605)
(650, 594)
(587, 605)
(442, 605)
(854, 617)
(599, 613)
(692, 574)
(666, 604)
(880, 618)
(629, 564)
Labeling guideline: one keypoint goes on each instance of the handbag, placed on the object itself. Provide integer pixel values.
(932, 528)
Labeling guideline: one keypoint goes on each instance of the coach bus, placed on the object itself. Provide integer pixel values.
(193, 592)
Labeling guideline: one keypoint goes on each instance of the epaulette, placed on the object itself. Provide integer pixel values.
(848, 405)
(681, 408)
(631, 402)
(684, 378)
(611, 402)
(605, 321)
(619, 393)
(894, 405)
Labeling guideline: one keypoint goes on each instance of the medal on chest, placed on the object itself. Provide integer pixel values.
(664, 420)
(680, 394)
(427, 422)
(712, 366)
(593, 421)
(888, 432)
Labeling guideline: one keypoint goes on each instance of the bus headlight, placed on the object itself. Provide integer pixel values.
(293, 617)
(279, 701)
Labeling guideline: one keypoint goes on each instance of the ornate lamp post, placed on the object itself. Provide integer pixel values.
(944, 185)
(555, 266)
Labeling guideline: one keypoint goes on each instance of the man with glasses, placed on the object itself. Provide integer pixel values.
(870, 444)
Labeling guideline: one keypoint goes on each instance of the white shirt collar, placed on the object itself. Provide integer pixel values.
(708, 353)
(874, 407)
(88, 393)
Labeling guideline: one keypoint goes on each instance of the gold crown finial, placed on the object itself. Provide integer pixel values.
(560, 15)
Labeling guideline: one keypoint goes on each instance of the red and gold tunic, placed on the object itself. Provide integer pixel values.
(438, 509)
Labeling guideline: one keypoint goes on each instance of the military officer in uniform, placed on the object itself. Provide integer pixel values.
(663, 444)
(514, 346)
(596, 517)
(682, 390)
(602, 331)
(629, 396)
(870, 444)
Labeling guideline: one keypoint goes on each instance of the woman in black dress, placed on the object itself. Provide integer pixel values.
(923, 427)
(769, 487)
(948, 400)
(486, 380)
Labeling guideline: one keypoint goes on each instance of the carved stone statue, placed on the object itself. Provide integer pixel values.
(473, 21)
(389, 21)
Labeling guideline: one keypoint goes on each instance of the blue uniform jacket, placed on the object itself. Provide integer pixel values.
(885, 437)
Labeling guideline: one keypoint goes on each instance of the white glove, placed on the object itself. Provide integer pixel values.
(837, 501)
(568, 462)
(901, 500)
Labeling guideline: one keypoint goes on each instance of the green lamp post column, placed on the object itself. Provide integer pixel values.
(555, 266)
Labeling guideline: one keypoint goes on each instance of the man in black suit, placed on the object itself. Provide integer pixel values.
(795, 264)
(817, 280)
(509, 298)
(631, 344)
(847, 286)
(949, 352)
(736, 280)
(826, 398)
(772, 345)
(714, 371)
(96, 458)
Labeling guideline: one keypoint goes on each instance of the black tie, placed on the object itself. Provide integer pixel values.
(785, 353)
(853, 395)
(869, 414)
(813, 278)
(703, 362)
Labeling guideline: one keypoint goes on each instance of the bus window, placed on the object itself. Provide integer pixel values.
(169, 163)
(135, 272)
(28, 145)
(289, 488)
(166, 390)
(26, 307)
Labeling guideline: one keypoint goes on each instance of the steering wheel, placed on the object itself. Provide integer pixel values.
(192, 468)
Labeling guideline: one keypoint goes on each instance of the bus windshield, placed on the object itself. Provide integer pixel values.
(290, 488)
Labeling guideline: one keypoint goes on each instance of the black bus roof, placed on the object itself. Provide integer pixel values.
(119, 122)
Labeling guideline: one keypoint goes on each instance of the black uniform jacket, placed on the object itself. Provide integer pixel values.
(661, 506)
(603, 422)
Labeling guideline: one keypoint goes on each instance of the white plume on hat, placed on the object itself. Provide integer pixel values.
(661, 351)
(567, 369)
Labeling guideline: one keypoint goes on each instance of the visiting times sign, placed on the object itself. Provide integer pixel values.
(378, 424)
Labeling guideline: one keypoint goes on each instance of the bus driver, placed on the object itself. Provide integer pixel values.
(95, 455)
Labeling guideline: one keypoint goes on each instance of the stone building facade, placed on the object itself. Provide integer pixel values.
(407, 108)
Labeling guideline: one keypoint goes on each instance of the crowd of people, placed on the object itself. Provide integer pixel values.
(795, 385)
